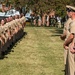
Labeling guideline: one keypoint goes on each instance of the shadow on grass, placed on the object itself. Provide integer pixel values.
(32, 25)
(10, 49)
(56, 35)
(64, 72)
(60, 31)
(56, 31)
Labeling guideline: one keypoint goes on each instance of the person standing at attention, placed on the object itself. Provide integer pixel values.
(68, 42)
(64, 36)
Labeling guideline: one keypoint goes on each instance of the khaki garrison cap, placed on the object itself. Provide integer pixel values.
(70, 8)
(67, 6)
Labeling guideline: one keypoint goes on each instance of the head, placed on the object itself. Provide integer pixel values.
(70, 11)
(10, 18)
(16, 16)
(19, 16)
(2, 22)
(22, 14)
(13, 17)
(7, 19)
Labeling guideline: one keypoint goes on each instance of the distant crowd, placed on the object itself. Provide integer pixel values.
(47, 19)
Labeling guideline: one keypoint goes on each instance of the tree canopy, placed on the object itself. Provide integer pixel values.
(44, 5)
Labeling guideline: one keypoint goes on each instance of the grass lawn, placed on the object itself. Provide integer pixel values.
(40, 52)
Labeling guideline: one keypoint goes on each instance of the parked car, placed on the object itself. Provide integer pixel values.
(11, 12)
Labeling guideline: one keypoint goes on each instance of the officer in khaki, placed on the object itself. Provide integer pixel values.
(7, 34)
(12, 32)
(5, 37)
(4, 40)
(66, 33)
(19, 32)
(20, 25)
(1, 43)
(71, 53)
(13, 27)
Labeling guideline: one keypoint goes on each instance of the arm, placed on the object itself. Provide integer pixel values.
(63, 36)
(69, 40)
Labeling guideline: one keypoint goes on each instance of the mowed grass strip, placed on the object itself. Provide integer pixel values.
(40, 52)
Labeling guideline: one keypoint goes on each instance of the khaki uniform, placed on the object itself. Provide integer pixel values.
(14, 33)
(5, 37)
(20, 29)
(1, 43)
(7, 30)
(10, 34)
(17, 29)
(71, 56)
(23, 19)
(66, 30)
(4, 40)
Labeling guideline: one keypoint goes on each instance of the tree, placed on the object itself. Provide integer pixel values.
(44, 5)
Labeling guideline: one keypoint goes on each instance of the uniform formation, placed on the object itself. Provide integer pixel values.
(11, 30)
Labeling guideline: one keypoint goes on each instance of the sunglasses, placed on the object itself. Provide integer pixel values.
(70, 10)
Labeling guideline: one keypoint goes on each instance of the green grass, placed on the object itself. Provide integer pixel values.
(40, 52)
